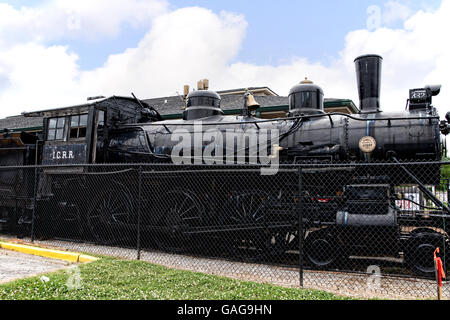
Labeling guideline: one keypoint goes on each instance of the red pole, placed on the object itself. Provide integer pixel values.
(439, 272)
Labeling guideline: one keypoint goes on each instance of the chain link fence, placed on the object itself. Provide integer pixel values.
(360, 229)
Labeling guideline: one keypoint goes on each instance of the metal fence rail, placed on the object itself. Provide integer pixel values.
(365, 229)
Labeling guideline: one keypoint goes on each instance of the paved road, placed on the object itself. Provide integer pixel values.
(16, 265)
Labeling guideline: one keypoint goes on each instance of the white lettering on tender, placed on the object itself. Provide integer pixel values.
(58, 155)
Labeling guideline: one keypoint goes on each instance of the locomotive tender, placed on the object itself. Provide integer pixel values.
(361, 202)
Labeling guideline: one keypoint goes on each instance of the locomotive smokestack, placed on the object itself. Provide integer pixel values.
(368, 74)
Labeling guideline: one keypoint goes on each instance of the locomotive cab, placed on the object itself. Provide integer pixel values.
(79, 134)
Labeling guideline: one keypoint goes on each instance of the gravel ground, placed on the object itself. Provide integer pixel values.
(16, 265)
(347, 284)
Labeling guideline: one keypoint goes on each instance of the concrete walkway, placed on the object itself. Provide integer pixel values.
(16, 265)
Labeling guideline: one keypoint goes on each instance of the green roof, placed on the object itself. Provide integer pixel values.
(327, 104)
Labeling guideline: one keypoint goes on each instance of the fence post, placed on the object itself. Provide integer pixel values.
(444, 227)
(300, 225)
(139, 214)
(448, 192)
(33, 216)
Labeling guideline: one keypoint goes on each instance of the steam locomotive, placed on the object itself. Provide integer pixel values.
(361, 201)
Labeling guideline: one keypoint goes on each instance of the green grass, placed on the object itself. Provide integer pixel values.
(114, 279)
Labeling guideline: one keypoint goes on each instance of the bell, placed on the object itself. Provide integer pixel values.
(251, 103)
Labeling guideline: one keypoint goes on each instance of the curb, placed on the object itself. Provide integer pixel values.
(48, 253)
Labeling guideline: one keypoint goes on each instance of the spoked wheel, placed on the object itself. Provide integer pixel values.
(246, 214)
(110, 216)
(183, 210)
(321, 250)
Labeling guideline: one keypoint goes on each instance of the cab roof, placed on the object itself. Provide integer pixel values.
(76, 108)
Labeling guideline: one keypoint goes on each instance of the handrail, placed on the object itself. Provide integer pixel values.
(283, 119)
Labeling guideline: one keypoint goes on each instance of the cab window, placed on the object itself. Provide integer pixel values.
(78, 126)
(101, 119)
(129, 141)
(56, 129)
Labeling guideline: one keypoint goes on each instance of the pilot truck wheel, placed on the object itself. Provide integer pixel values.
(322, 250)
(419, 252)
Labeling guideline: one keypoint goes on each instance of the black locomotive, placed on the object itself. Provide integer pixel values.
(329, 147)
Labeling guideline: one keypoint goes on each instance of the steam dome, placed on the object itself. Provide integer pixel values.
(306, 98)
(202, 104)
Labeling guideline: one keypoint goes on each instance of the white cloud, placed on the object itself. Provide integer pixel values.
(57, 19)
(188, 44)
(36, 74)
(394, 11)
(181, 47)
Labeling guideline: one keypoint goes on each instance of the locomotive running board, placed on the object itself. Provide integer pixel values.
(423, 188)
